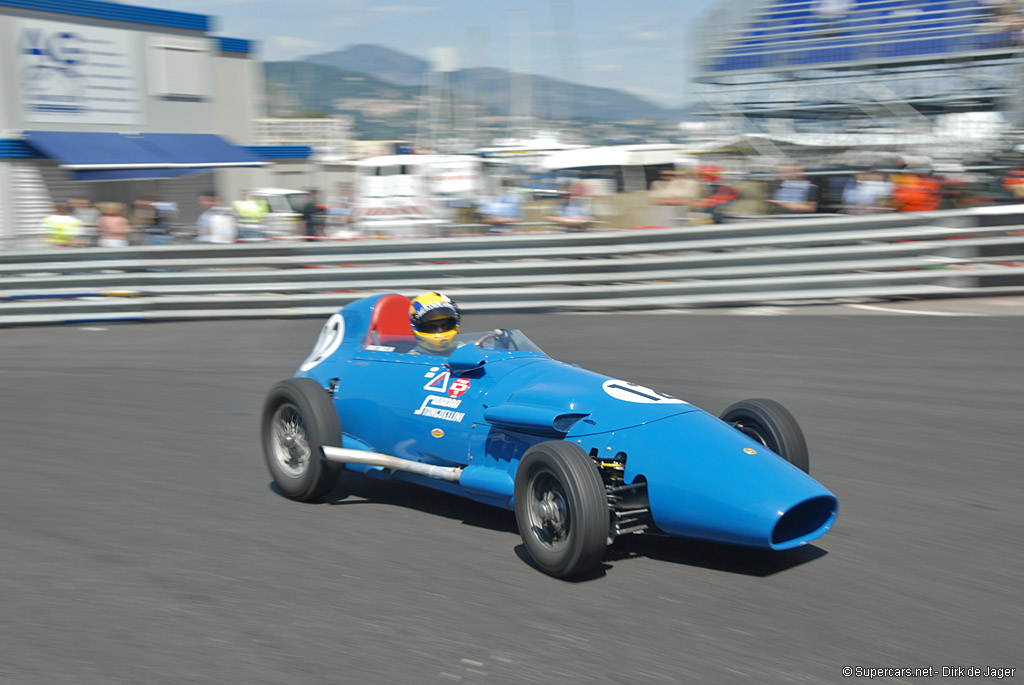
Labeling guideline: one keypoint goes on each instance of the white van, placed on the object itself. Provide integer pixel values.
(284, 210)
(414, 194)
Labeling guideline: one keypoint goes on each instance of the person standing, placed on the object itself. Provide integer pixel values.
(673, 195)
(313, 216)
(62, 229)
(795, 195)
(113, 227)
(83, 210)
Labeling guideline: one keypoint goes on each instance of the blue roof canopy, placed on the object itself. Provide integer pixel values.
(139, 155)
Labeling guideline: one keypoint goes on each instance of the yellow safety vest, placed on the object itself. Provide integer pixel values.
(61, 229)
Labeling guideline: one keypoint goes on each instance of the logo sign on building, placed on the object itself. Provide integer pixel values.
(74, 74)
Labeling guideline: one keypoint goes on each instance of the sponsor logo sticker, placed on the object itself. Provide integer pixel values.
(438, 383)
(437, 433)
(458, 386)
(750, 450)
(443, 408)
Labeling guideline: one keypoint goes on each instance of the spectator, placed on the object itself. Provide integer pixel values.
(62, 229)
(160, 217)
(222, 225)
(83, 210)
(250, 214)
(210, 204)
(719, 193)
(917, 191)
(143, 219)
(795, 195)
(867, 193)
(113, 227)
(503, 211)
(573, 212)
(313, 216)
(673, 194)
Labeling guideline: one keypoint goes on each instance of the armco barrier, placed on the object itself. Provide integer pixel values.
(933, 254)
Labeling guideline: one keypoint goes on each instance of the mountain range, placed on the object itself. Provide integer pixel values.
(335, 81)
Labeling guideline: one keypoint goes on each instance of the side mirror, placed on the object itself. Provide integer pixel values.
(466, 358)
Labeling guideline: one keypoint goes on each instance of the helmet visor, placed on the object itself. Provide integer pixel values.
(437, 320)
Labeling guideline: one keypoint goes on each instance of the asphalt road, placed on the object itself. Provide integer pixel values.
(141, 541)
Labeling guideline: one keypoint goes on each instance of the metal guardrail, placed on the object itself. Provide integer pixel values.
(932, 254)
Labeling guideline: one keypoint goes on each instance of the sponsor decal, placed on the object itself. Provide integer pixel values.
(438, 383)
(750, 450)
(458, 386)
(631, 392)
(380, 348)
(442, 408)
(437, 433)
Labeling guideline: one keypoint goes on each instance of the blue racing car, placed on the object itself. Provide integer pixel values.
(582, 458)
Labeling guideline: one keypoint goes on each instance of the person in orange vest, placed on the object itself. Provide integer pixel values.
(916, 192)
(719, 192)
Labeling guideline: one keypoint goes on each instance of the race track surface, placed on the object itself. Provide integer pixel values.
(141, 541)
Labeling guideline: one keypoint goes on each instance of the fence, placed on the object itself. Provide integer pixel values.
(931, 254)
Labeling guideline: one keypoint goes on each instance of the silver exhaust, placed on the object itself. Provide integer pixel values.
(343, 455)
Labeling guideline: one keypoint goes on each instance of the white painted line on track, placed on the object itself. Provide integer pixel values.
(892, 310)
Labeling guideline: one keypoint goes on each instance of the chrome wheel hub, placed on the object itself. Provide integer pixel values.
(548, 509)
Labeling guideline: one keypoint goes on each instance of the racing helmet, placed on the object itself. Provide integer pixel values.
(435, 321)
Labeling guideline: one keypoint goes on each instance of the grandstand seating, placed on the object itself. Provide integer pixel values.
(789, 35)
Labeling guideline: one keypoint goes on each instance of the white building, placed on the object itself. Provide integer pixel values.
(114, 102)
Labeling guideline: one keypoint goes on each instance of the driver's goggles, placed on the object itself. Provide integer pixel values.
(442, 325)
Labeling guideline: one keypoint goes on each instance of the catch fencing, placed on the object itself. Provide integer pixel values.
(800, 261)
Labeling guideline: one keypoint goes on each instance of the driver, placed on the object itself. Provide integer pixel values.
(435, 323)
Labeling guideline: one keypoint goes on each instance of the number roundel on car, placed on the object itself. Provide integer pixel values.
(330, 339)
(631, 392)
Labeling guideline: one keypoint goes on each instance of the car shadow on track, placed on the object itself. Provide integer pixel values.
(710, 555)
(356, 489)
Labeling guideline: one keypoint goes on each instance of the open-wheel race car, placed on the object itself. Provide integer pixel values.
(582, 458)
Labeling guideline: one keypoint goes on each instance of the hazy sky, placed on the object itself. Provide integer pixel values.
(639, 46)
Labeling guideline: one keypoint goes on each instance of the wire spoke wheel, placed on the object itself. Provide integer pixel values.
(297, 422)
(290, 442)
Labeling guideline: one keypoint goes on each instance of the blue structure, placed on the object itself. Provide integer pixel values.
(935, 55)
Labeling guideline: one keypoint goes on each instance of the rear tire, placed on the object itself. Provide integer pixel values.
(773, 426)
(298, 421)
(561, 508)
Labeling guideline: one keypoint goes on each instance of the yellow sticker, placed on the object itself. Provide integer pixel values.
(437, 433)
(750, 450)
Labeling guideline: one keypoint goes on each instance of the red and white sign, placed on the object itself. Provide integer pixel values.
(458, 386)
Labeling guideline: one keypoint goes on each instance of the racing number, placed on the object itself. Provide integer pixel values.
(631, 392)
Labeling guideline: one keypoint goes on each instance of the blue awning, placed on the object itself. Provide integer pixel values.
(86, 153)
(134, 174)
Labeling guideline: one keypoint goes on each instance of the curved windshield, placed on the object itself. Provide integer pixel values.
(509, 339)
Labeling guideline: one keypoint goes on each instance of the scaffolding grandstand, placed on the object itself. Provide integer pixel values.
(792, 66)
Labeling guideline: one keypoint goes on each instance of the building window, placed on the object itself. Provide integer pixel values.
(179, 67)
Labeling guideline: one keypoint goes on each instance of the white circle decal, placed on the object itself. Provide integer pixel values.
(330, 339)
(631, 392)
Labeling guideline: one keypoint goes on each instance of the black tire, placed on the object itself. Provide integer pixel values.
(773, 426)
(561, 508)
(298, 421)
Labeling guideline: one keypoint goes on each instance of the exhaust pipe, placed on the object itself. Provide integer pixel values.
(343, 455)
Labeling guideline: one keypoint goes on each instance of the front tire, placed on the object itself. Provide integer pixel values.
(298, 421)
(771, 424)
(561, 508)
